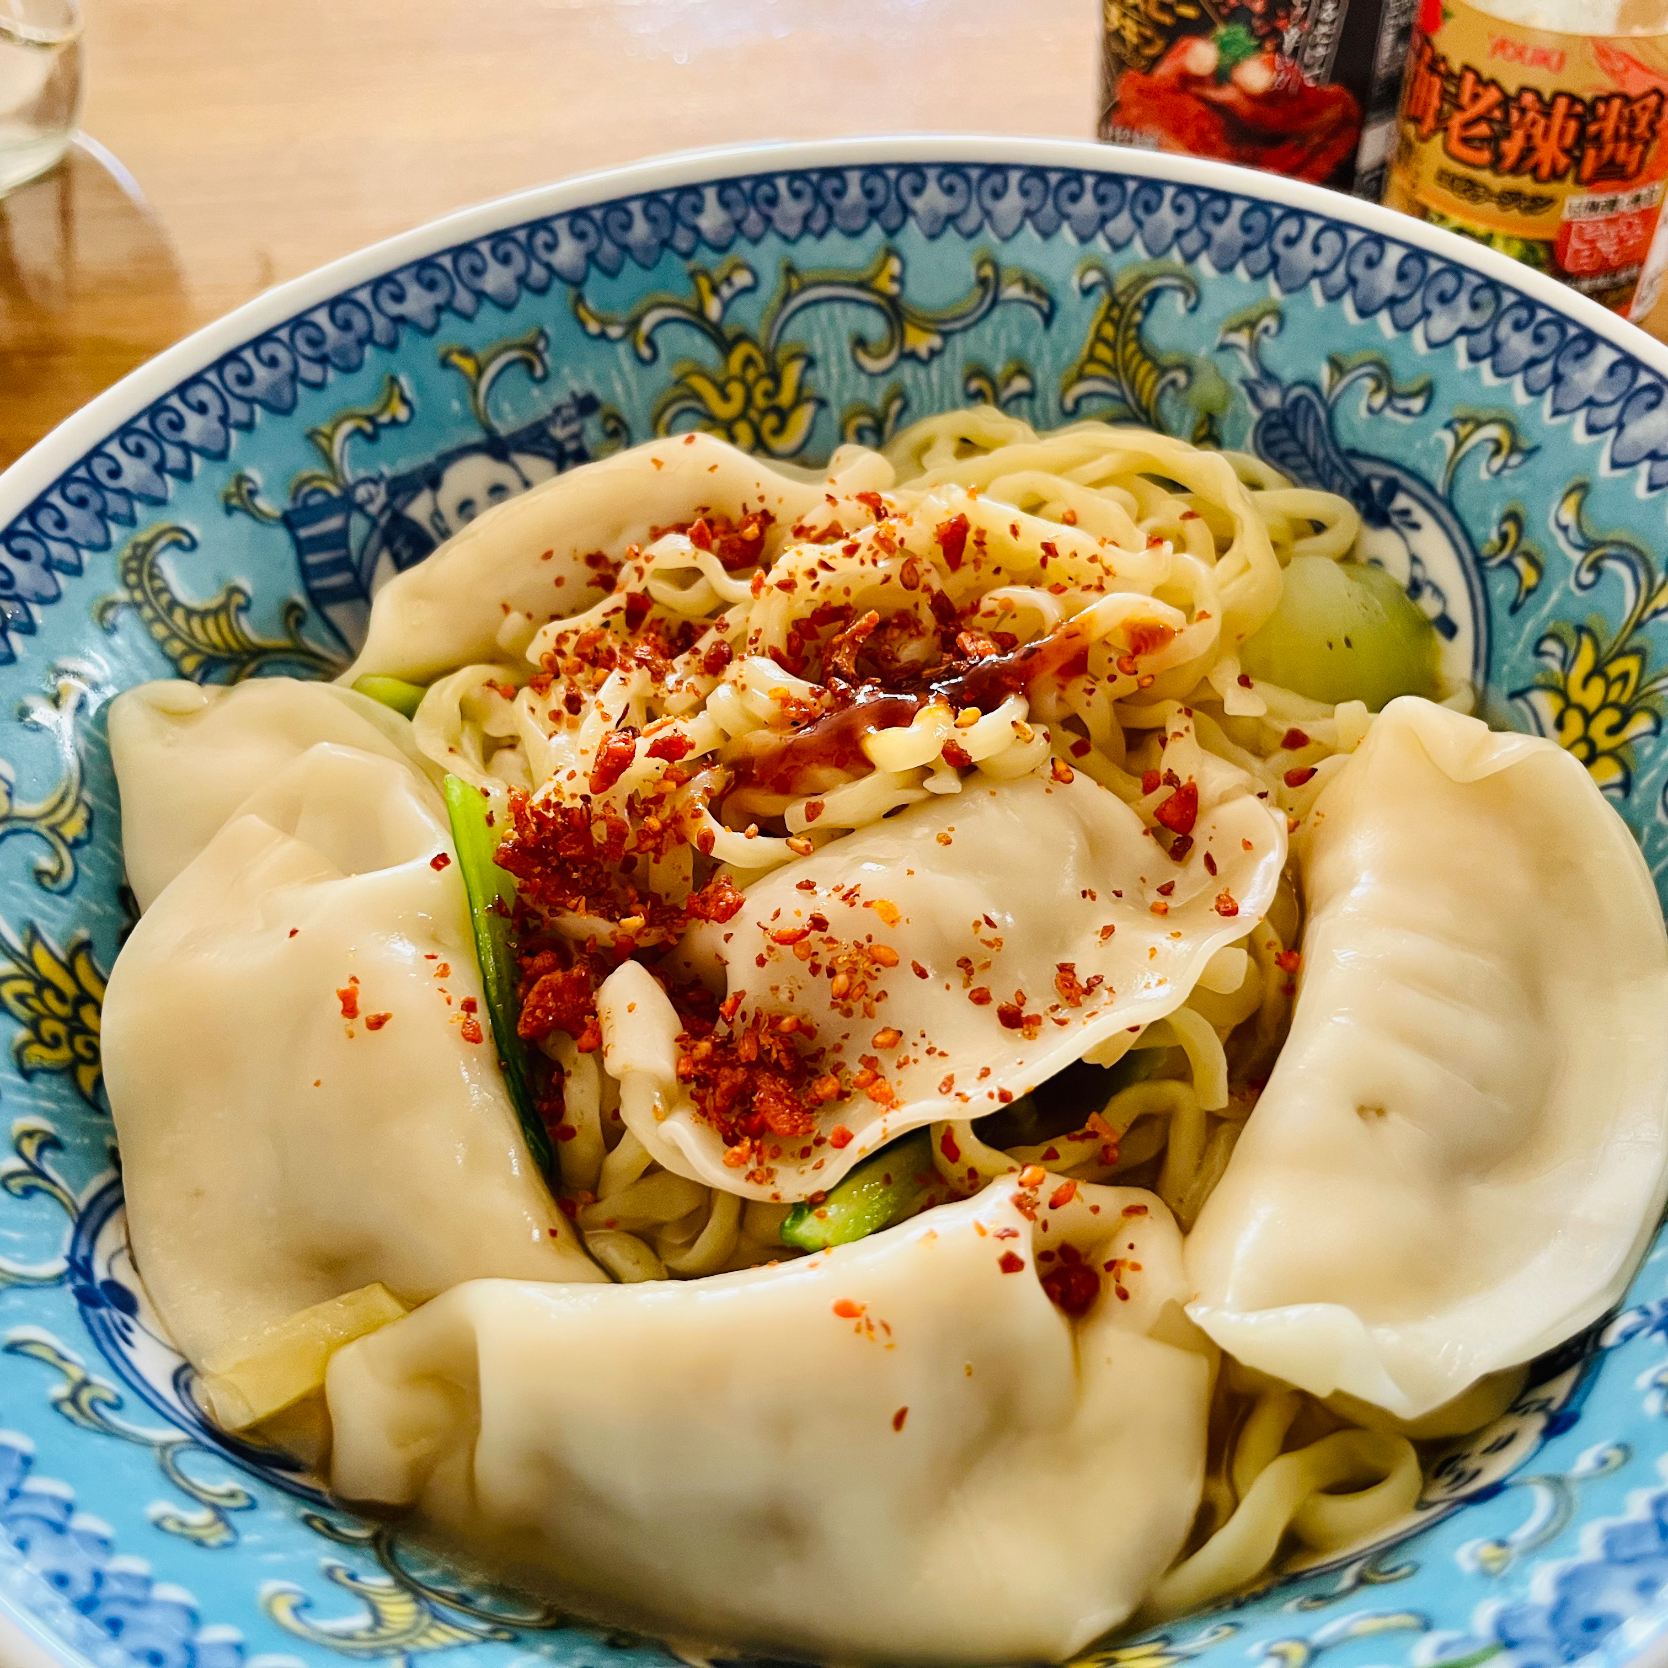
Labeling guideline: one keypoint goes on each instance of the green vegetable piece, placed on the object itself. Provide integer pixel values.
(403, 697)
(883, 1189)
(491, 897)
(1234, 44)
(1344, 631)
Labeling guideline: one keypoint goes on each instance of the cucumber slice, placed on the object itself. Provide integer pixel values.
(1344, 631)
(491, 898)
(891, 1185)
(403, 697)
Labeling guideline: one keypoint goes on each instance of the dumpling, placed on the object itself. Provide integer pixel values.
(306, 1100)
(899, 1450)
(961, 952)
(1461, 1150)
(526, 556)
(186, 756)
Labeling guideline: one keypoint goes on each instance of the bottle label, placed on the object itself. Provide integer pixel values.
(1549, 146)
(1299, 87)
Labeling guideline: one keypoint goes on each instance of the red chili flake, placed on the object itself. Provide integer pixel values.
(717, 901)
(839, 1136)
(1167, 888)
(947, 1141)
(348, 996)
(847, 1310)
(1210, 864)
(1243, 680)
(375, 1022)
(470, 1005)
(1062, 1195)
(952, 540)
(979, 996)
(1011, 1015)
(1061, 772)
(1011, 1262)
(614, 758)
(471, 1029)
(563, 999)
(1296, 778)
(294, 931)
(1072, 1285)
(439, 861)
(1151, 781)
(899, 1417)
(956, 756)
(919, 971)
(1225, 905)
(1180, 811)
(1294, 739)
(1159, 907)
(1288, 961)
(671, 747)
(1180, 847)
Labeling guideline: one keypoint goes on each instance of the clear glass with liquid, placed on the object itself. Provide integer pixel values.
(40, 85)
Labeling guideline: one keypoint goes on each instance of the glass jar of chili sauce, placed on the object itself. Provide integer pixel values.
(1306, 88)
(1536, 126)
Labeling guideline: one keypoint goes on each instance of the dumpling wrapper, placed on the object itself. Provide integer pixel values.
(1045, 862)
(186, 756)
(900, 1450)
(276, 1154)
(449, 610)
(1461, 1151)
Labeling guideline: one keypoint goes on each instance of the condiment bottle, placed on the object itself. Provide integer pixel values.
(1535, 126)
(1306, 88)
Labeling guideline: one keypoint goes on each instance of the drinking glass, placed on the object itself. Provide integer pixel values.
(40, 85)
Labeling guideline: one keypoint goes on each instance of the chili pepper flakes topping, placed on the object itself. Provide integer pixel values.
(1010, 1262)
(440, 860)
(1072, 1284)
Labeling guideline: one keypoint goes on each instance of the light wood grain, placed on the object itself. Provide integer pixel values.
(268, 137)
(260, 138)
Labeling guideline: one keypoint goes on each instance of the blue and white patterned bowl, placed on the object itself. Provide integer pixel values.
(226, 511)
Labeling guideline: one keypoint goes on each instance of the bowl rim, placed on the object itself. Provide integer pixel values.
(57, 451)
(25, 1637)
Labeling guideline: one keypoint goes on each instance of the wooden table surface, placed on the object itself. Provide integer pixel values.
(231, 144)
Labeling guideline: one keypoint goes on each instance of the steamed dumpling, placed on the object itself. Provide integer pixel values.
(1462, 1148)
(899, 1450)
(1001, 932)
(306, 1103)
(187, 755)
(526, 557)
